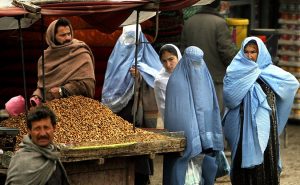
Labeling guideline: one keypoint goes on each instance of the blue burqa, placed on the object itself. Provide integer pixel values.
(192, 107)
(240, 86)
(118, 87)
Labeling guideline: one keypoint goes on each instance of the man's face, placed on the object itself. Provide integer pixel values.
(63, 35)
(42, 132)
(169, 61)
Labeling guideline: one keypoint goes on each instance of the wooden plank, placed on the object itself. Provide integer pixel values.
(134, 149)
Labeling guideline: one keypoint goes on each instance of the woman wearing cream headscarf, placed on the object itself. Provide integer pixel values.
(169, 55)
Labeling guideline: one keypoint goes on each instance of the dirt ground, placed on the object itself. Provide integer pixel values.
(290, 156)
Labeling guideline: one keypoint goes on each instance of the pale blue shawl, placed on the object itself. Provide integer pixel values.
(240, 86)
(118, 86)
(192, 107)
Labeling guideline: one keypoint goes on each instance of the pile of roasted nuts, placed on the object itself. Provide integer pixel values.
(84, 120)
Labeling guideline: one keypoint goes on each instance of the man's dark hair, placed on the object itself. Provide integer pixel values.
(39, 113)
(61, 22)
(214, 4)
(169, 49)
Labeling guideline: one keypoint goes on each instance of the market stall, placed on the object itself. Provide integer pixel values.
(109, 164)
(96, 145)
(87, 162)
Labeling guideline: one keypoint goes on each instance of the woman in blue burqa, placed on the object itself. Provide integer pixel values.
(128, 88)
(118, 88)
(192, 107)
(258, 97)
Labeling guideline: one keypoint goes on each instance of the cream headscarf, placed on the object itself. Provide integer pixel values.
(160, 84)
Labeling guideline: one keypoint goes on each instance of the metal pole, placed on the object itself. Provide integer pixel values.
(135, 66)
(43, 59)
(23, 64)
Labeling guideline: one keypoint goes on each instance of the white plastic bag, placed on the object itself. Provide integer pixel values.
(223, 165)
(194, 171)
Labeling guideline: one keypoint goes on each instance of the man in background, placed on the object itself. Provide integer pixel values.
(208, 30)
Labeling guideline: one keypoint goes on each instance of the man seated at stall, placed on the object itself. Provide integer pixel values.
(68, 65)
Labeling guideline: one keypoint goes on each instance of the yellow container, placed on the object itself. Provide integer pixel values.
(239, 29)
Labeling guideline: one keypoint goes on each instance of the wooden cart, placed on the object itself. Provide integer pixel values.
(111, 164)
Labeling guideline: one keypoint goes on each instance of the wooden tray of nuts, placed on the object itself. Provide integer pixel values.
(90, 151)
(86, 129)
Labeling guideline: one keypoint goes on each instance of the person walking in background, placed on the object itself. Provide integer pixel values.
(37, 161)
(169, 56)
(69, 65)
(208, 30)
(192, 106)
(127, 90)
(258, 97)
